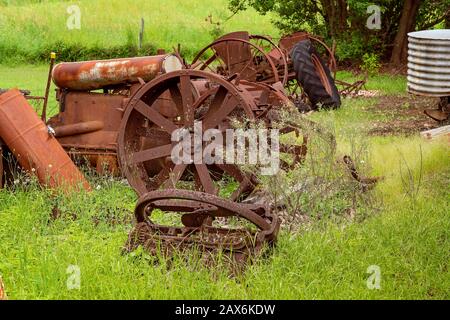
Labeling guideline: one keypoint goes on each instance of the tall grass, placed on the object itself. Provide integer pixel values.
(407, 237)
(408, 241)
(29, 30)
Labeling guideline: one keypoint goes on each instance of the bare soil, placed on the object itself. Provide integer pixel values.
(402, 115)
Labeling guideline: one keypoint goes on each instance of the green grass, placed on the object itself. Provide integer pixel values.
(384, 83)
(408, 238)
(29, 31)
(29, 77)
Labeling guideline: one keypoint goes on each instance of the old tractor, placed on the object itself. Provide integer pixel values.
(120, 116)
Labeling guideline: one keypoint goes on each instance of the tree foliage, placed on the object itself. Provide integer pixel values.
(345, 20)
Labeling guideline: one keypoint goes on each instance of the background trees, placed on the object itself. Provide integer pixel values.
(346, 22)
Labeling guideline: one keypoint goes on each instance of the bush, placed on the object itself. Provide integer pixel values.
(71, 52)
(321, 188)
(370, 63)
(351, 48)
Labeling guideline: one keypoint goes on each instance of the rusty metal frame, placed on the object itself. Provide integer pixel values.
(276, 54)
(225, 41)
(198, 213)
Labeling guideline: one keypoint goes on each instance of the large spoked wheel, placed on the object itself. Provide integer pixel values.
(169, 103)
(231, 56)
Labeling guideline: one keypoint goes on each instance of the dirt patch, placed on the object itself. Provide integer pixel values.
(386, 68)
(402, 115)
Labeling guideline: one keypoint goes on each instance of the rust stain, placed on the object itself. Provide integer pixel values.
(92, 75)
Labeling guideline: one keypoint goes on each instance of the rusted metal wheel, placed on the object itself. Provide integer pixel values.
(169, 103)
(328, 55)
(275, 53)
(198, 227)
(229, 56)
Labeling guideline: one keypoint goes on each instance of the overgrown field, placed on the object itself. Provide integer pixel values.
(30, 30)
(405, 230)
(402, 226)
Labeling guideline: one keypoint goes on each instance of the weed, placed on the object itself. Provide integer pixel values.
(371, 63)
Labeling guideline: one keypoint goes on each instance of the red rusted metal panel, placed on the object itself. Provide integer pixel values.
(87, 127)
(97, 74)
(235, 54)
(289, 41)
(89, 120)
(34, 147)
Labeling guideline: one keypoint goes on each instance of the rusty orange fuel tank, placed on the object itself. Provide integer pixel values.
(34, 147)
(97, 74)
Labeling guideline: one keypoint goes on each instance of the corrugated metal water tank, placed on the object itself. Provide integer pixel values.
(429, 63)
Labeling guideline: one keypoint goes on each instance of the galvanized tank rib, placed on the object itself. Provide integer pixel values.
(429, 63)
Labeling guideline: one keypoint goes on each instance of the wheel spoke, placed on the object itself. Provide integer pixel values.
(154, 135)
(215, 118)
(290, 148)
(206, 64)
(176, 98)
(258, 70)
(245, 182)
(241, 73)
(218, 100)
(161, 177)
(175, 176)
(205, 178)
(188, 100)
(156, 117)
(232, 170)
(151, 154)
(224, 66)
(285, 166)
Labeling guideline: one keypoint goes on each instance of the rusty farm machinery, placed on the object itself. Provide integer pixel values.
(293, 63)
(119, 116)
